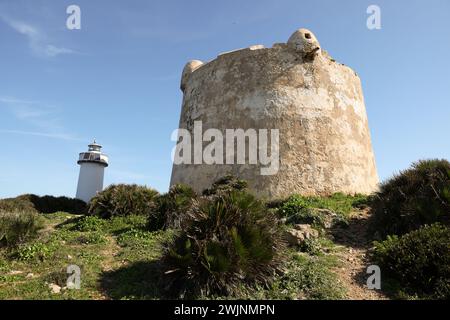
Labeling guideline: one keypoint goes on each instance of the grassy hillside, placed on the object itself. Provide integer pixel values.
(120, 259)
(227, 244)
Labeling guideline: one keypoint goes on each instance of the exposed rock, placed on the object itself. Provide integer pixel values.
(15, 272)
(300, 233)
(54, 288)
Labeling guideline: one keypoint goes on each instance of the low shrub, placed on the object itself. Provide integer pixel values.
(419, 261)
(16, 204)
(305, 216)
(90, 223)
(18, 227)
(45, 204)
(35, 251)
(226, 184)
(92, 237)
(415, 197)
(170, 208)
(123, 200)
(232, 239)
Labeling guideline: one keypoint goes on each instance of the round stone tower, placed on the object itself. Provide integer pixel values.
(314, 102)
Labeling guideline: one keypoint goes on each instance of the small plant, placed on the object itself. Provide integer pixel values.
(18, 227)
(123, 200)
(37, 250)
(415, 197)
(303, 215)
(93, 237)
(90, 223)
(312, 246)
(419, 261)
(232, 239)
(171, 208)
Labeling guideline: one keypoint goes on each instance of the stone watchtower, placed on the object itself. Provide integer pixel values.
(315, 102)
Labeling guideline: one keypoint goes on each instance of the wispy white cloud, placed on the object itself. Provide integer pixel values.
(37, 40)
(61, 136)
(40, 116)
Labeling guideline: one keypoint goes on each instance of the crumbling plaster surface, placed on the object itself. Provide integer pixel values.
(316, 103)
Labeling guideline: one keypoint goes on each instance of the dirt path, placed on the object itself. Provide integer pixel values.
(353, 245)
(112, 249)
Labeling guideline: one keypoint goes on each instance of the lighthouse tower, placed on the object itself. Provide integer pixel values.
(92, 166)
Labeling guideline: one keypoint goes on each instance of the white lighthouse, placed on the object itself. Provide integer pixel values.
(92, 167)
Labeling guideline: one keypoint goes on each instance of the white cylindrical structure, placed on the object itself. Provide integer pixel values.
(92, 166)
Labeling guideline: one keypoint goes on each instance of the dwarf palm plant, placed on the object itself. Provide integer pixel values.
(231, 239)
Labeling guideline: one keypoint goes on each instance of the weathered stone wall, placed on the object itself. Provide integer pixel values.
(316, 103)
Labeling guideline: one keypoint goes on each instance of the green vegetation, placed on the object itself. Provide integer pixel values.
(90, 223)
(226, 244)
(45, 204)
(413, 198)
(226, 184)
(170, 208)
(27, 270)
(17, 227)
(304, 277)
(122, 200)
(232, 239)
(417, 263)
(308, 277)
(318, 211)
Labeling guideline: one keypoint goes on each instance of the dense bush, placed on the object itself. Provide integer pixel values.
(232, 239)
(16, 204)
(17, 227)
(123, 200)
(419, 261)
(417, 196)
(170, 208)
(45, 204)
(226, 184)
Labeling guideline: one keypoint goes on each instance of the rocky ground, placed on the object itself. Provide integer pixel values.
(353, 258)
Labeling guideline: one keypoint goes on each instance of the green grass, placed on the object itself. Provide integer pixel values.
(304, 277)
(320, 212)
(339, 203)
(120, 259)
(26, 272)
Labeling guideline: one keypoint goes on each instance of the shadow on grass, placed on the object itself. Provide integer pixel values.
(139, 280)
(74, 220)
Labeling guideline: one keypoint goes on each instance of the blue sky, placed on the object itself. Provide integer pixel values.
(117, 79)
